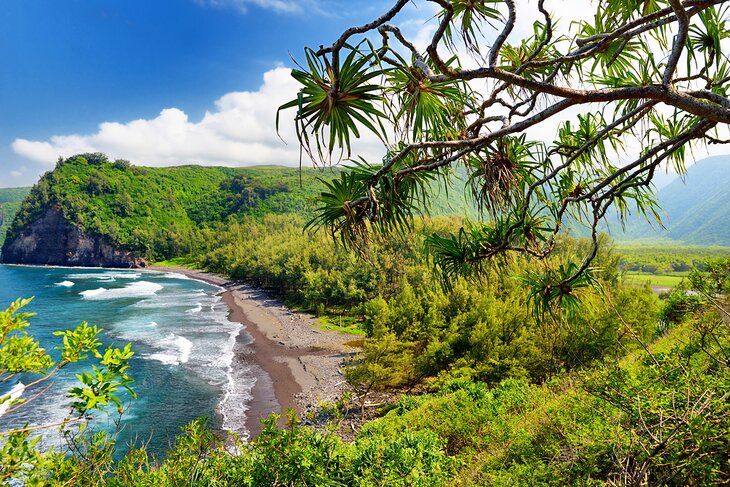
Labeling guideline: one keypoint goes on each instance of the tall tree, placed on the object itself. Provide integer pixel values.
(640, 84)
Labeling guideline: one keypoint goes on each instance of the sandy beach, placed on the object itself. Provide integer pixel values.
(298, 366)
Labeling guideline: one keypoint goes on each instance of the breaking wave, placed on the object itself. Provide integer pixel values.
(134, 290)
(177, 350)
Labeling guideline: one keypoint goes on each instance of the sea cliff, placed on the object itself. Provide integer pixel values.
(51, 240)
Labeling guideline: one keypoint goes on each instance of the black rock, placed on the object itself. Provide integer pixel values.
(51, 240)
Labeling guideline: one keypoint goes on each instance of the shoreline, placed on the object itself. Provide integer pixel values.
(297, 366)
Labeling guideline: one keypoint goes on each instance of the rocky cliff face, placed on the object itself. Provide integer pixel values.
(51, 240)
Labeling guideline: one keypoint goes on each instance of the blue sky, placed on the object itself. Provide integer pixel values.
(163, 82)
(70, 65)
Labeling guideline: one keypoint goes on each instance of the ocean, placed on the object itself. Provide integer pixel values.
(183, 342)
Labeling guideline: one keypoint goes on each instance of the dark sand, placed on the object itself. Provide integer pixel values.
(299, 365)
(264, 353)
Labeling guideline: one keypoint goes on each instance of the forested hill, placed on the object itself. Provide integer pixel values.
(698, 207)
(695, 209)
(153, 212)
(92, 211)
(10, 200)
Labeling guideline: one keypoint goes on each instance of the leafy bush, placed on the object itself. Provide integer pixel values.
(99, 387)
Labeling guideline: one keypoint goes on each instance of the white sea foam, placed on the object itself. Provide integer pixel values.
(164, 301)
(105, 275)
(65, 283)
(176, 275)
(177, 350)
(190, 329)
(224, 359)
(164, 358)
(91, 293)
(134, 290)
(14, 394)
(239, 377)
(236, 398)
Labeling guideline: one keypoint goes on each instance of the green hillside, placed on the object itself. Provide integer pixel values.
(698, 208)
(10, 201)
(162, 212)
(695, 209)
(165, 212)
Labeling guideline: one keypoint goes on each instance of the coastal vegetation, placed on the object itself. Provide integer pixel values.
(10, 201)
(489, 370)
(505, 395)
(414, 324)
(654, 413)
(513, 353)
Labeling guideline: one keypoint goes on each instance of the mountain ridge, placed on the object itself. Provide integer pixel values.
(694, 209)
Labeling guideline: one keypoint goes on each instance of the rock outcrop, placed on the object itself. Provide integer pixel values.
(51, 240)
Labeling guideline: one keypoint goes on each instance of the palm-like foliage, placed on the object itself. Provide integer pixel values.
(615, 56)
(464, 254)
(430, 109)
(346, 210)
(500, 173)
(706, 37)
(533, 49)
(338, 211)
(667, 128)
(470, 15)
(334, 110)
(558, 288)
(649, 77)
(618, 12)
(621, 68)
(453, 256)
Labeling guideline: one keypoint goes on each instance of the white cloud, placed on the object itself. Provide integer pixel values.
(240, 131)
(282, 6)
(16, 174)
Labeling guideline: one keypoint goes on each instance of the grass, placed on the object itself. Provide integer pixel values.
(188, 262)
(660, 245)
(342, 324)
(663, 280)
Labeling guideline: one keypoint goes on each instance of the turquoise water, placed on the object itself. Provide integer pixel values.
(183, 343)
